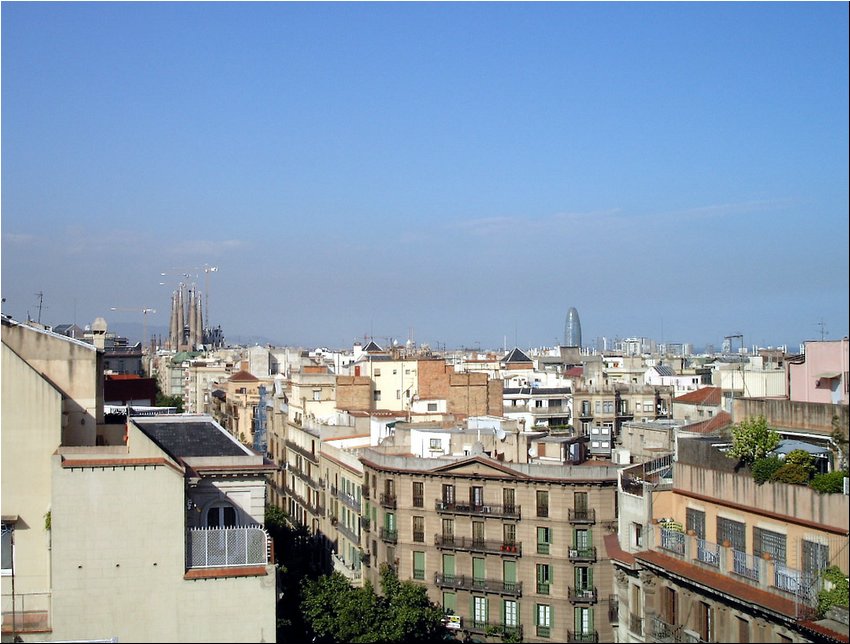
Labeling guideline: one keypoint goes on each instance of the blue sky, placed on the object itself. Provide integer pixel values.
(467, 171)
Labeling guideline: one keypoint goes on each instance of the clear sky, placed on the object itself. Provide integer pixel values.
(465, 171)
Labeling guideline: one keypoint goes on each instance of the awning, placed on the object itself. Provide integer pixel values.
(829, 374)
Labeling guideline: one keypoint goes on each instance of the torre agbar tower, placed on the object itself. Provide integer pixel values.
(572, 329)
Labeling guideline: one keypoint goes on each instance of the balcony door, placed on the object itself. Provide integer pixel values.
(221, 515)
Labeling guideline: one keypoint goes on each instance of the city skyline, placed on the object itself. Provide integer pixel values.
(465, 173)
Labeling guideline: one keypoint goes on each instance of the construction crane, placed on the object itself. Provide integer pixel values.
(191, 271)
(144, 311)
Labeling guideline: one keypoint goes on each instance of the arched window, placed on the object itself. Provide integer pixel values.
(221, 515)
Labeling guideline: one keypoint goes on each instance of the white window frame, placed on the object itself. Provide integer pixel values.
(544, 615)
(9, 547)
(479, 613)
(511, 612)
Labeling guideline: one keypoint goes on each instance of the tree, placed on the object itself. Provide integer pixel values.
(791, 473)
(168, 401)
(829, 483)
(802, 458)
(409, 615)
(752, 439)
(764, 468)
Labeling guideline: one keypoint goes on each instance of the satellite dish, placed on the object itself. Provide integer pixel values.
(500, 434)
(533, 451)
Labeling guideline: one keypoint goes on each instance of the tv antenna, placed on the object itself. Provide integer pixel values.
(823, 331)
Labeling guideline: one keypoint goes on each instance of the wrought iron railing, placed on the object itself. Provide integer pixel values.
(464, 582)
(582, 554)
(504, 511)
(673, 540)
(708, 553)
(494, 546)
(388, 535)
(582, 515)
(745, 565)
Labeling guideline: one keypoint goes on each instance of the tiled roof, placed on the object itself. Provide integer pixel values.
(190, 438)
(574, 372)
(705, 396)
(243, 376)
(714, 424)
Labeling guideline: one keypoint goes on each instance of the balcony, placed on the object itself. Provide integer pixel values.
(365, 558)
(463, 582)
(544, 631)
(673, 540)
(30, 613)
(310, 456)
(582, 555)
(708, 553)
(299, 474)
(494, 629)
(349, 571)
(389, 536)
(660, 631)
(582, 595)
(496, 511)
(312, 508)
(348, 533)
(745, 565)
(227, 547)
(346, 498)
(365, 492)
(592, 636)
(388, 500)
(543, 587)
(583, 515)
(487, 546)
(365, 523)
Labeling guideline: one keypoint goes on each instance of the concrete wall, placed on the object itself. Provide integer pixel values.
(809, 417)
(354, 393)
(31, 413)
(820, 358)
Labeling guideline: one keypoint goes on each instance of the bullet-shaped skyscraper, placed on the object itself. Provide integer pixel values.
(572, 329)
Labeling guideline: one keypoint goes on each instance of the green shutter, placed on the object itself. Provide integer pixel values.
(449, 565)
(590, 577)
(478, 571)
(419, 561)
(509, 571)
(590, 618)
(450, 602)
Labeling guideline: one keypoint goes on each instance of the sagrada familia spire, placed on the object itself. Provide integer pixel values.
(186, 331)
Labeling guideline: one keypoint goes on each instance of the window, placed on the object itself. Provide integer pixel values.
(377, 372)
(418, 565)
(509, 608)
(544, 578)
(419, 529)
(509, 534)
(509, 499)
(432, 406)
(449, 603)
(477, 532)
(705, 627)
(598, 406)
(479, 612)
(8, 547)
(583, 578)
(669, 604)
(476, 496)
(772, 543)
(543, 615)
(317, 394)
(377, 395)
(695, 520)
(743, 630)
(221, 515)
(732, 531)
(418, 495)
(448, 494)
(584, 621)
(815, 557)
(544, 540)
(398, 394)
(637, 531)
(542, 503)
(435, 444)
(448, 529)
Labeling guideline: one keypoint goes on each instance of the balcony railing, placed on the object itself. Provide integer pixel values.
(346, 498)
(708, 553)
(350, 571)
(543, 587)
(492, 546)
(790, 580)
(582, 595)
(464, 582)
(311, 456)
(500, 511)
(592, 636)
(388, 500)
(226, 547)
(30, 613)
(582, 515)
(660, 631)
(673, 540)
(299, 474)
(544, 631)
(745, 565)
(494, 629)
(365, 523)
(582, 554)
(365, 492)
(350, 534)
(390, 536)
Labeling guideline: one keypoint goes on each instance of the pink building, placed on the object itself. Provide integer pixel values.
(820, 375)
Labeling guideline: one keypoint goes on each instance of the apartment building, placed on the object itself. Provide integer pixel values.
(73, 490)
(706, 555)
(515, 547)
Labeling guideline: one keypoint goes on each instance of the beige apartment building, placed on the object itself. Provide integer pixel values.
(76, 565)
(515, 547)
(706, 555)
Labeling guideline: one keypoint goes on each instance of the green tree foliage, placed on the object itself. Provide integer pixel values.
(336, 612)
(836, 591)
(764, 468)
(752, 439)
(168, 401)
(829, 483)
(802, 458)
(840, 439)
(791, 473)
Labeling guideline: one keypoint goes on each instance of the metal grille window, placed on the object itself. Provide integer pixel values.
(766, 541)
(815, 557)
(419, 529)
(733, 531)
(695, 520)
(418, 500)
